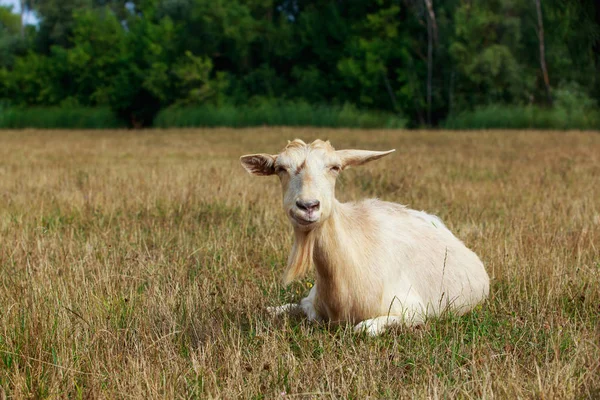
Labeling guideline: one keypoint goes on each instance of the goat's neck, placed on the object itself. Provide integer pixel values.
(326, 247)
(344, 291)
(331, 243)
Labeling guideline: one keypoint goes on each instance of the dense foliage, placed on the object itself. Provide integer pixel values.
(423, 60)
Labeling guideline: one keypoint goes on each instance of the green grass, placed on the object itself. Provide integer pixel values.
(531, 117)
(286, 114)
(282, 114)
(58, 118)
(271, 114)
(298, 114)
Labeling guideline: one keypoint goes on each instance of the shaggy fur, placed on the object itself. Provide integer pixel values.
(377, 263)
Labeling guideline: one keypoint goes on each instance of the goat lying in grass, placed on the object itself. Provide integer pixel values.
(377, 263)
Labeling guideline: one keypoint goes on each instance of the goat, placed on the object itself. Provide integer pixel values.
(377, 263)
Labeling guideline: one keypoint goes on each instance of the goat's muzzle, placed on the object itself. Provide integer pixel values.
(307, 212)
(308, 206)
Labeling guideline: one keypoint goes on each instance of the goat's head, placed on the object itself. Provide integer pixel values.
(308, 173)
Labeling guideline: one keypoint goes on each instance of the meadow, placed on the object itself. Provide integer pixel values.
(138, 264)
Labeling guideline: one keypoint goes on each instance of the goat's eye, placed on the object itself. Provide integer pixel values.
(335, 168)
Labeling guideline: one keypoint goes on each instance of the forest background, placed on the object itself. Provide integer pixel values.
(383, 63)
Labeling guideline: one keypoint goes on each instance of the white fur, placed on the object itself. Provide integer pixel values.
(377, 263)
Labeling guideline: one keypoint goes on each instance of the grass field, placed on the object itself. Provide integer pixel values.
(138, 265)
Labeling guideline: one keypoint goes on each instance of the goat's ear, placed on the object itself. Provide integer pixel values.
(259, 164)
(351, 158)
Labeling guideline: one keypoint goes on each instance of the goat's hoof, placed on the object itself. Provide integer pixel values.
(273, 310)
(284, 309)
(370, 327)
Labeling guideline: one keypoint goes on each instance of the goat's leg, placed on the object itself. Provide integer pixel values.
(290, 308)
(378, 325)
(409, 312)
(306, 307)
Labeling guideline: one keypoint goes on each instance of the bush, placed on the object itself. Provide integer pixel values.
(290, 114)
(58, 117)
(530, 117)
(283, 114)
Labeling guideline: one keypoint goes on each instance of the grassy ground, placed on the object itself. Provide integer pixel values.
(138, 265)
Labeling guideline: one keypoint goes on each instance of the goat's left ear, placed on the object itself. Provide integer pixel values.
(351, 158)
(259, 164)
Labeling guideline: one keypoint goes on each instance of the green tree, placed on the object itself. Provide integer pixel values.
(57, 21)
(36, 80)
(488, 34)
(195, 83)
(424, 59)
(11, 41)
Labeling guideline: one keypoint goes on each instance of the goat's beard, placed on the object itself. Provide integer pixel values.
(301, 256)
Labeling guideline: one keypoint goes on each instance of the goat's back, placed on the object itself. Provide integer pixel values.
(417, 257)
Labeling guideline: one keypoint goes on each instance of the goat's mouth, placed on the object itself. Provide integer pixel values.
(304, 220)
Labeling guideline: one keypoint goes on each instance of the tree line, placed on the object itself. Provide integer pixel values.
(424, 60)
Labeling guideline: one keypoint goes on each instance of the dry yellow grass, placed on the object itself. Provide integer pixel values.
(138, 265)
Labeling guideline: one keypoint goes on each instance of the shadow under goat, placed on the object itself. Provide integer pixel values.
(377, 263)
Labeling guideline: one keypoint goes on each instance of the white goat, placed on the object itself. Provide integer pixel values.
(377, 263)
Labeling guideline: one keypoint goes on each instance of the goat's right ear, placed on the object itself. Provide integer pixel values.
(259, 164)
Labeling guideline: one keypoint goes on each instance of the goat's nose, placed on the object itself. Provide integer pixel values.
(308, 205)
